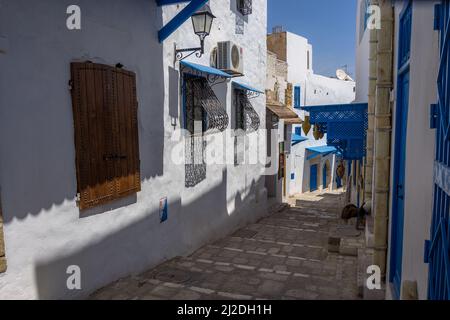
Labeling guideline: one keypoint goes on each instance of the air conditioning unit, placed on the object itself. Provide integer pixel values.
(230, 58)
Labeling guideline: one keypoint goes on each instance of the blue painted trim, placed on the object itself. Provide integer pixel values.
(246, 87)
(161, 3)
(322, 149)
(337, 107)
(433, 116)
(401, 119)
(180, 18)
(437, 16)
(297, 97)
(205, 69)
(426, 251)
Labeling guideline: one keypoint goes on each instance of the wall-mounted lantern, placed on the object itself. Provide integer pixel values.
(202, 22)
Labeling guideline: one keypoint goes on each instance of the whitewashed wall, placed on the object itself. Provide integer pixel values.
(362, 56)
(44, 230)
(420, 143)
(315, 90)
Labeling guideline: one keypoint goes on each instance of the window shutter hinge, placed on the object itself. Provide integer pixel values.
(433, 116)
(437, 17)
(78, 197)
(426, 251)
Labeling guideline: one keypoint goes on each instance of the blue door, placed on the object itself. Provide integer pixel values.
(313, 178)
(437, 252)
(324, 176)
(398, 198)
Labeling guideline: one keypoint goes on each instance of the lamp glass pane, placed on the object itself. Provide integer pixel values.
(208, 23)
(198, 22)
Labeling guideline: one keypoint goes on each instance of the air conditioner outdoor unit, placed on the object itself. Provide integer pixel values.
(230, 58)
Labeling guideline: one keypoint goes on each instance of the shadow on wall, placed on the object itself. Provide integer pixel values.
(146, 243)
(36, 122)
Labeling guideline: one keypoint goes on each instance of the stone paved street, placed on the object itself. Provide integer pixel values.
(283, 256)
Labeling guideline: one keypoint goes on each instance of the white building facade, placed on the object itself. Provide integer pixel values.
(309, 89)
(161, 215)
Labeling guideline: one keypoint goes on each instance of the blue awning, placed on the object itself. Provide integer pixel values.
(205, 69)
(320, 151)
(246, 87)
(296, 139)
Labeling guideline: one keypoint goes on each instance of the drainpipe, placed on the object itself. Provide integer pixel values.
(382, 133)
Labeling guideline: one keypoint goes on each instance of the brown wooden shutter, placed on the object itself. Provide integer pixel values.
(103, 112)
(128, 179)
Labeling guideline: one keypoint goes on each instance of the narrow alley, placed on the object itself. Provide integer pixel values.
(301, 251)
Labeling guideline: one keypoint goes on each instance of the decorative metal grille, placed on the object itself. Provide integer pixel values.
(195, 165)
(345, 126)
(247, 118)
(203, 105)
(244, 7)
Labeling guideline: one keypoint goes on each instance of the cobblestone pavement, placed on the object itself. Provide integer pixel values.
(283, 256)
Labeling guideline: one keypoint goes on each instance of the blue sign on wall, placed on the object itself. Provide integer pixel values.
(163, 210)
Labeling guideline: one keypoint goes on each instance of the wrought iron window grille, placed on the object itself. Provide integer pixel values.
(244, 7)
(247, 119)
(212, 79)
(345, 126)
(201, 104)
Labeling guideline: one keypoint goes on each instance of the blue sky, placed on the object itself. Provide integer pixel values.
(329, 25)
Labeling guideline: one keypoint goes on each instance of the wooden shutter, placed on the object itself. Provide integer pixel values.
(128, 178)
(104, 109)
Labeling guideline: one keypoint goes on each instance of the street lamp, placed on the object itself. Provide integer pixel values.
(202, 23)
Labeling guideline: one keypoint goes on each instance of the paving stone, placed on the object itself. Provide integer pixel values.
(284, 256)
(186, 295)
(301, 294)
(270, 287)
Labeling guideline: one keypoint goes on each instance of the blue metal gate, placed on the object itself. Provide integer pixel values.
(437, 249)
(401, 120)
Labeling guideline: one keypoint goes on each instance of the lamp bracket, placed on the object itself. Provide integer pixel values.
(181, 54)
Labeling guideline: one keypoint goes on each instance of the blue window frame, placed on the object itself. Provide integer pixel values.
(405, 36)
(297, 97)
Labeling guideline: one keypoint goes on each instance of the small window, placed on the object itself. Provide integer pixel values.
(244, 7)
(297, 97)
(203, 114)
(247, 119)
(104, 107)
(203, 111)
